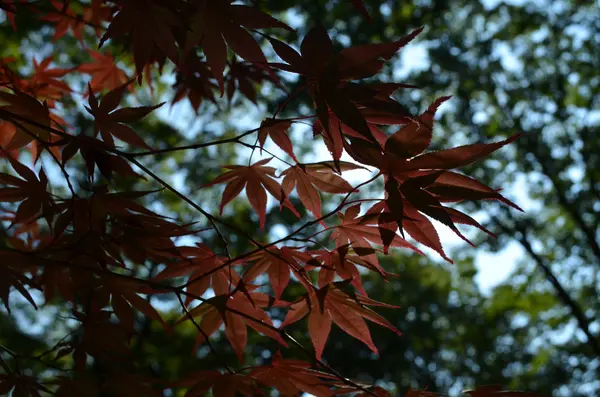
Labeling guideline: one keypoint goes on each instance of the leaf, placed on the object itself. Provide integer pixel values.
(277, 263)
(150, 26)
(194, 81)
(26, 108)
(316, 47)
(65, 19)
(104, 71)
(204, 269)
(307, 180)
(236, 311)
(45, 83)
(278, 131)
(456, 157)
(345, 311)
(414, 137)
(426, 203)
(210, 26)
(319, 327)
(451, 186)
(422, 230)
(362, 232)
(340, 263)
(256, 179)
(108, 121)
(365, 60)
(292, 377)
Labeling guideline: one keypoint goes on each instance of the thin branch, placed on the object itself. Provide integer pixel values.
(199, 328)
(235, 139)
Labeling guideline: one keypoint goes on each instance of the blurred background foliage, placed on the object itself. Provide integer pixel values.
(514, 66)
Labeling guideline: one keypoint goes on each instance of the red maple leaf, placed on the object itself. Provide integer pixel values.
(108, 121)
(362, 232)
(64, 18)
(218, 21)
(195, 80)
(204, 269)
(292, 377)
(307, 178)
(150, 25)
(278, 131)
(277, 263)
(243, 77)
(340, 263)
(237, 311)
(20, 108)
(330, 304)
(104, 71)
(255, 178)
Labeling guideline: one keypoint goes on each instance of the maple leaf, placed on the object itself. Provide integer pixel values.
(96, 14)
(124, 299)
(454, 187)
(150, 25)
(219, 21)
(456, 157)
(108, 121)
(29, 108)
(277, 263)
(278, 131)
(306, 179)
(64, 18)
(333, 136)
(339, 262)
(414, 190)
(292, 377)
(243, 76)
(362, 232)
(247, 305)
(12, 269)
(104, 71)
(31, 191)
(204, 268)
(255, 178)
(412, 221)
(330, 304)
(200, 382)
(96, 154)
(45, 81)
(415, 137)
(195, 80)
(421, 190)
